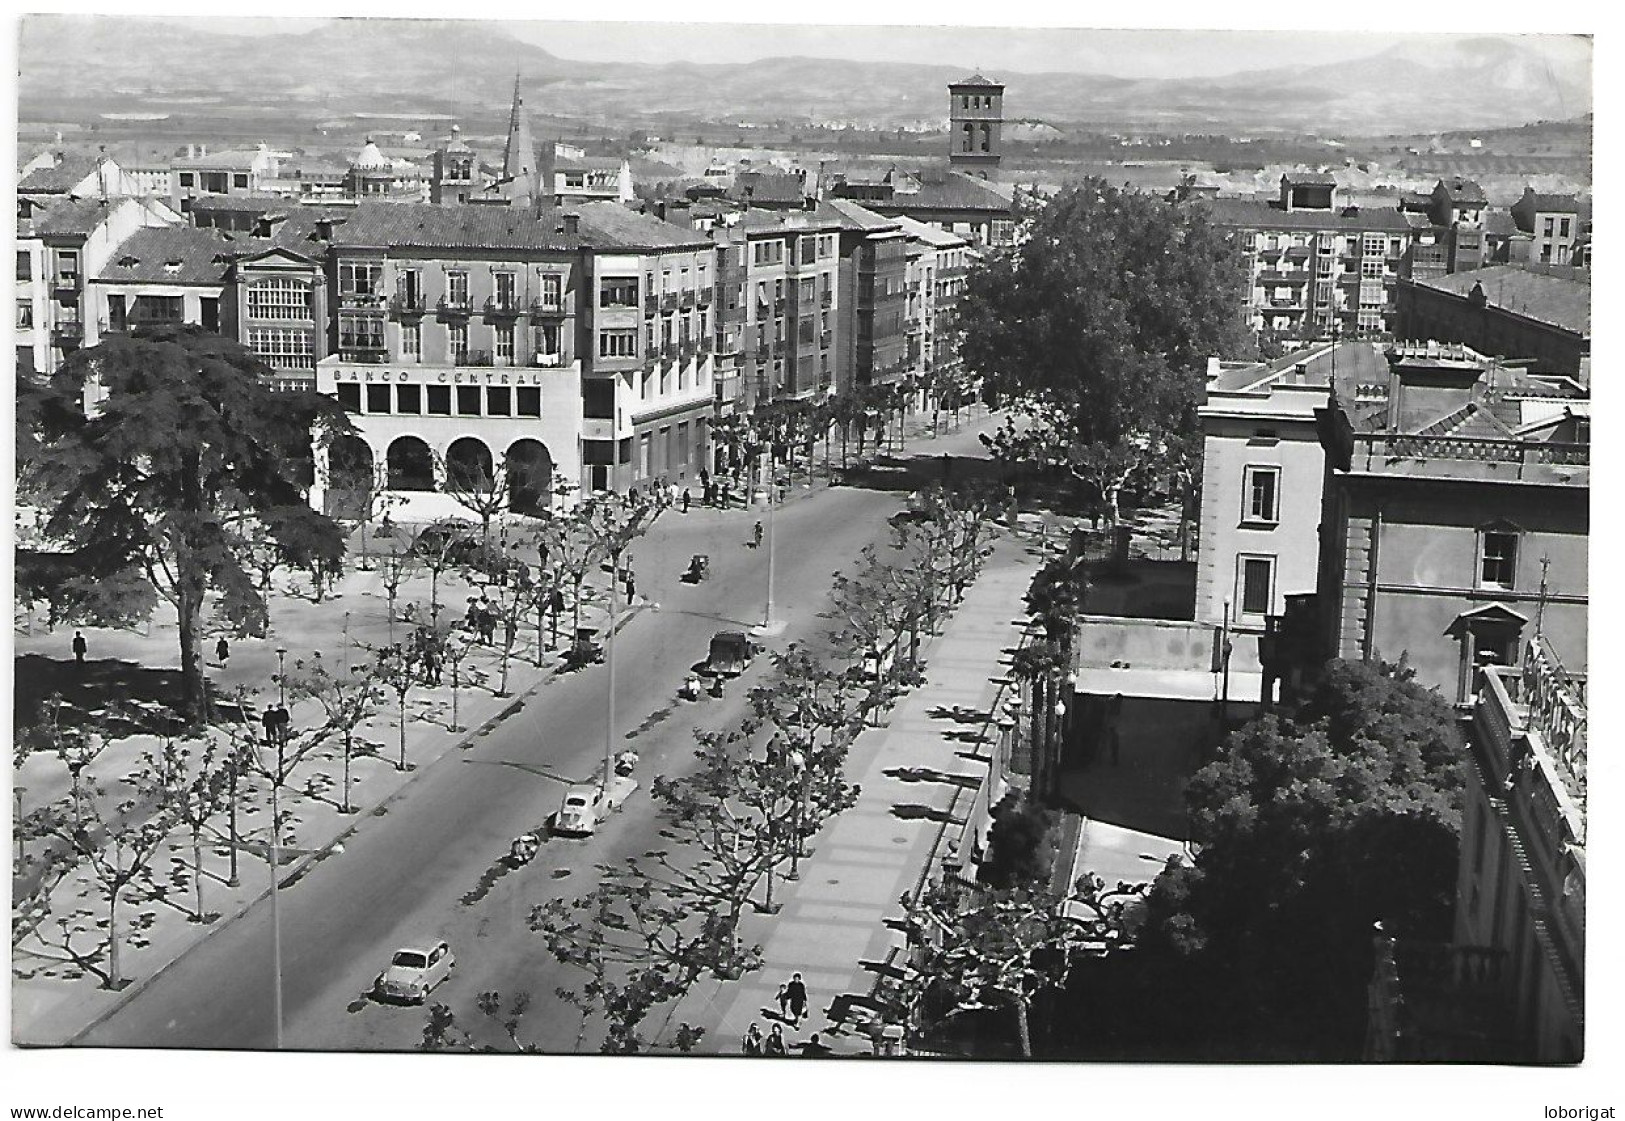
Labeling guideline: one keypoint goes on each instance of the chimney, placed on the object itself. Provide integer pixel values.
(191, 151)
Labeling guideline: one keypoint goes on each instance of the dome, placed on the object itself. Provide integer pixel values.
(370, 157)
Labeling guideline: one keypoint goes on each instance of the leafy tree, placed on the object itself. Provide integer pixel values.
(641, 945)
(443, 1031)
(1314, 824)
(396, 669)
(1099, 326)
(348, 695)
(185, 428)
(195, 789)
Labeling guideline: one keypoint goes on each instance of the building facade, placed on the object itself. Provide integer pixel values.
(1520, 312)
(874, 299)
(230, 172)
(1314, 267)
(1551, 223)
(975, 122)
(1262, 473)
(1455, 518)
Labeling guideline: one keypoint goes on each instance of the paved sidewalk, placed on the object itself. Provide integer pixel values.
(918, 775)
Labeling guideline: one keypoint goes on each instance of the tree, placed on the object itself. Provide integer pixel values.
(1313, 825)
(1003, 949)
(195, 789)
(443, 1032)
(1099, 327)
(185, 428)
(640, 945)
(396, 669)
(348, 697)
(1021, 843)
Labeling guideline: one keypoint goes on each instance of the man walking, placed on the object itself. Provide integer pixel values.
(686, 499)
(79, 648)
(222, 650)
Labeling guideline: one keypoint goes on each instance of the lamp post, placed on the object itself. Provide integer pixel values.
(281, 678)
(276, 852)
(769, 625)
(798, 765)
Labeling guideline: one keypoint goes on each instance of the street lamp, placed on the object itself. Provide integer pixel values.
(798, 765)
(281, 678)
(769, 626)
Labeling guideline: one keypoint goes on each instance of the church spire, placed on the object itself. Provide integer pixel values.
(519, 157)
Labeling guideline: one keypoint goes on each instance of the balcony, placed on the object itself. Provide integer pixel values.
(778, 306)
(404, 305)
(668, 302)
(826, 339)
(546, 308)
(478, 358)
(498, 308)
(651, 303)
(364, 353)
(668, 352)
(686, 299)
(549, 361)
(449, 308)
(67, 331)
(362, 300)
(703, 297)
(827, 299)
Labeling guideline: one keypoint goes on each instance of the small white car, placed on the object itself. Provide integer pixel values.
(583, 808)
(414, 972)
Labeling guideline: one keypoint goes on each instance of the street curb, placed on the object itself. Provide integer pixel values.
(136, 988)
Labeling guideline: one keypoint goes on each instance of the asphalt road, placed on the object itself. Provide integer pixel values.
(432, 865)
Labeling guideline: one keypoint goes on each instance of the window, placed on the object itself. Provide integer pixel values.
(1371, 269)
(378, 398)
(1256, 574)
(457, 288)
(457, 341)
(527, 401)
(279, 299)
(25, 314)
(412, 342)
(546, 339)
(186, 179)
(1260, 489)
(439, 399)
(409, 287)
(506, 300)
(25, 265)
(504, 344)
(552, 290)
(1497, 559)
(617, 344)
(618, 291)
(498, 401)
(1547, 228)
(1374, 244)
(349, 394)
(468, 400)
(282, 348)
(1563, 228)
(361, 332)
(409, 399)
(598, 398)
(360, 279)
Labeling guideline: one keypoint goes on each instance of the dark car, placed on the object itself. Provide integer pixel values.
(731, 652)
(458, 545)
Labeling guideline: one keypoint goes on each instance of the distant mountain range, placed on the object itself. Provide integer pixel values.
(467, 67)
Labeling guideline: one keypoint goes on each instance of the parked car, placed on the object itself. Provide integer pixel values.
(731, 652)
(583, 808)
(458, 545)
(414, 972)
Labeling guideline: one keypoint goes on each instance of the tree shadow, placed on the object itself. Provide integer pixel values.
(116, 697)
(959, 714)
(930, 774)
(913, 811)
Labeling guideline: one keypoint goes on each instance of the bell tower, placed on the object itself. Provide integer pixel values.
(976, 117)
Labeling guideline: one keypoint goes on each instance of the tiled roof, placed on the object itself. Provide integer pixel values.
(767, 187)
(1464, 190)
(1499, 222)
(941, 189)
(1309, 179)
(67, 174)
(423, 226)
(61, 217)
(1260, 214)
(934, 236)
(1470, 421)
(1556, 204)
(239, 204)
(1559, 298)
(977, 80)
(171, 255)
(823, 216)
(861, 217)
(609, 225)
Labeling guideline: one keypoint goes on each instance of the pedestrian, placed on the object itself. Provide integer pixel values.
(756, 536)
(797, 994)
(784, 1001)
(753, 1041)
(815, 1049)
(686, 498)
(284, 724)
(631, 586)
(268, 719)
(79, 648)
(222, 650)
(774, 1047)
(510, 632)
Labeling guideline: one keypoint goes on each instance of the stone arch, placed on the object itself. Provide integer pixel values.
(350, 476)
(410, 464)
(469, 466)
(530, 476)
